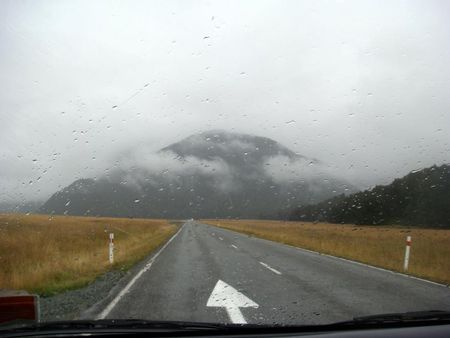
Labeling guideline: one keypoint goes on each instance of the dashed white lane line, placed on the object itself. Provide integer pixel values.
(234, 246)
(270, 268)
(221, 238)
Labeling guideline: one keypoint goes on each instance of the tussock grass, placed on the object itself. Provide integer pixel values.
(375, 245)
(48, 254)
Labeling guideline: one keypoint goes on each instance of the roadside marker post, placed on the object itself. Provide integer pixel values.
(407, 251)
(111, 248)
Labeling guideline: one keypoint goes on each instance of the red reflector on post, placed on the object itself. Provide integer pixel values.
(20, 307)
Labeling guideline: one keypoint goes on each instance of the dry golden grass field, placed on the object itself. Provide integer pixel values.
(47, 254)
(375, 245)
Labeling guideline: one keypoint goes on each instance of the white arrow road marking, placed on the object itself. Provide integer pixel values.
(231, 299)
(271, 269)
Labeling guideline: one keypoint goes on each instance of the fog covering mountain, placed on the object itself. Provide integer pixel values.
(420, 198)
(211, 174)
(21, 208)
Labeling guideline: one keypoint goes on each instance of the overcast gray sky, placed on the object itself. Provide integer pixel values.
(361, 85)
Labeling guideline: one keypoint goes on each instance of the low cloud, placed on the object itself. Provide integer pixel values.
(141, 168)
(284, 169)
(325, 79)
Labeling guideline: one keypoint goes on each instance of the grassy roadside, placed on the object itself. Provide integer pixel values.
(48, 254)
(379, 246)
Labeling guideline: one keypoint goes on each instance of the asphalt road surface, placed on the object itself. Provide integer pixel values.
(209, 274)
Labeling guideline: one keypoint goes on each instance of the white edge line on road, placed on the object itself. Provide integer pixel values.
(369, 266)
(381, 269)
(346, 260)
(270, 268)
(234, 246)
(358, 263)
(127, 287)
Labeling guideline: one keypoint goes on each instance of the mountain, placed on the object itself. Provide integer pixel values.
(421, 198)
(20, 207)
(210, 174)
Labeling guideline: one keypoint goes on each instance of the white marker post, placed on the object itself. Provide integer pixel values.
(111, 248)
(408, 249)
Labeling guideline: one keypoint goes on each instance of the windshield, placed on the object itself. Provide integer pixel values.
(259, 162)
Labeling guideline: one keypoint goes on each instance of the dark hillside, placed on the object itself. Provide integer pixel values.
(420, 198)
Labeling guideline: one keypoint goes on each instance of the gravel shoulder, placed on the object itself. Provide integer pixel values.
(87, 302)
(70, 304)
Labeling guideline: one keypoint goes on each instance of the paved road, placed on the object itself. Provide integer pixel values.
(257, 281)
